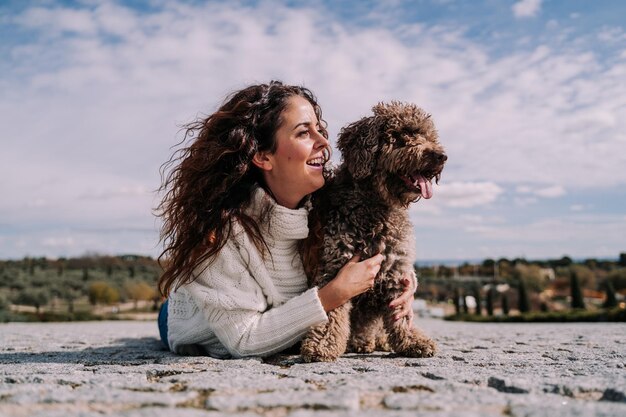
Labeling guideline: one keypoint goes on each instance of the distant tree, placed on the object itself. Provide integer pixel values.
(140, 290)
(16, 285)
(564, 261)
(85, 274)
(4, 303)
(591, 263)
(576, 290)
(505, 304)
(445, 271)
(101, 292)
(32, 297)
(131, 271)
(622, 259)
(618, 278)
(611, 299)
(5, 280)
(25, 262)
(524, 301)
(69, 294)
(505, 269)
(586, 276)
(465, 307)
(531, 275)
(491, 293)
(543, 307)
(457, 300)
(488, 263)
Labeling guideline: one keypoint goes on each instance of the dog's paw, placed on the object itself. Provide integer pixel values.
(313, 352)
(362, 347)
(423, 348)
(310, 356)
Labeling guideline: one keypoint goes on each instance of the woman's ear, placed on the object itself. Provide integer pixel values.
(263, 161)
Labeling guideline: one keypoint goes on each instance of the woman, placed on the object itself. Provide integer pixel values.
(235, 213)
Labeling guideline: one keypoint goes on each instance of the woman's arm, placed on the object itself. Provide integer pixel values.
(252, 333)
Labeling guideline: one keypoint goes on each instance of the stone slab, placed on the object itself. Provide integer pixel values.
(482, 369)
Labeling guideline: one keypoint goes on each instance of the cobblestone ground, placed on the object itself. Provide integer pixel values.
(120, 368)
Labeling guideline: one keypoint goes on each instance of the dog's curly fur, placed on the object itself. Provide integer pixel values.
(363, 210)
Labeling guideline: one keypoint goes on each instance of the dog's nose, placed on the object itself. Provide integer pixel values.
(442, 157)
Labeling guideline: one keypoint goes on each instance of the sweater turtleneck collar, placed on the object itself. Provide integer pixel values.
(282, 223)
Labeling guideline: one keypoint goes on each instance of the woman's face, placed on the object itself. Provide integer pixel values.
(295, 169)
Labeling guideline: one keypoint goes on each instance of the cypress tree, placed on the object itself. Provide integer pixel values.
(611, 299)
(490, 296)
(577, 293)
(465, 308)
(505, 304)
(457, 301)
(523, 302)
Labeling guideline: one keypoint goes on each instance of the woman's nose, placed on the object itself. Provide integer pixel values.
(322, 141)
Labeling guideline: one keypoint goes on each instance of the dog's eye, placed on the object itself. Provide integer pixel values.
(398, 141)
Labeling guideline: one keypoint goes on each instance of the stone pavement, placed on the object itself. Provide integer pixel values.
(119, 368)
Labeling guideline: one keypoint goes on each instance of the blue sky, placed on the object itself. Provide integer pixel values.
(529, 98)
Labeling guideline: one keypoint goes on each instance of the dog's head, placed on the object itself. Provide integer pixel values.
(397, 150)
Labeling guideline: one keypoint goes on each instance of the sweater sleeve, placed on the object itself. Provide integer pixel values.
(236, 309)
(252, 333)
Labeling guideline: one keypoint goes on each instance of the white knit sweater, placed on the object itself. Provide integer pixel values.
(243, 305)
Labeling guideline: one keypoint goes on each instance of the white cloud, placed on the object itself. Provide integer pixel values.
(551, 192)
(612, 34)
(546, 192)
(524, 201)
(468, 194)
(526, 8)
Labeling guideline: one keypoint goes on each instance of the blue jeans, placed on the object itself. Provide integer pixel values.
(162, 321)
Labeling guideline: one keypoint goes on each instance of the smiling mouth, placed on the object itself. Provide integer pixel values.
(316, 162)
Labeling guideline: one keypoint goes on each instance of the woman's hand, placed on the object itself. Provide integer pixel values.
(353, 279)
(403, 305)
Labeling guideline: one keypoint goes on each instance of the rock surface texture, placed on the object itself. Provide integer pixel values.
(120, 368)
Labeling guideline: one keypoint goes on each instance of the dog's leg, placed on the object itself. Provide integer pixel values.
(367, 336)
(408, 341)
(367, 332)
(328, 341)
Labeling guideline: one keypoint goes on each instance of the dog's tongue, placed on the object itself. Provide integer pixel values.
(426, 186)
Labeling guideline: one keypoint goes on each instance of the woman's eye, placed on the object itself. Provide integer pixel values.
(303, 133)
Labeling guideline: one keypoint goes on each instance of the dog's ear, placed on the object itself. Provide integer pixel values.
(358, 143)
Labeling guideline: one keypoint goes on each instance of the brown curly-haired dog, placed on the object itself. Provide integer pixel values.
(389, 161)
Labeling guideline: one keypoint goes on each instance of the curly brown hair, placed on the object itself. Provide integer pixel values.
(211, 180)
